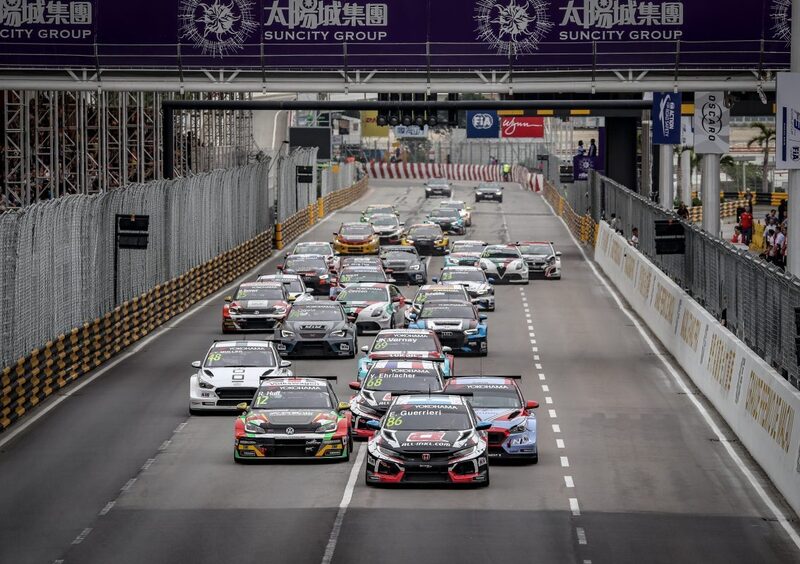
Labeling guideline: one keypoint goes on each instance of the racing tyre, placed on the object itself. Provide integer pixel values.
(500, 201)
(484, 352)
(486, 483)
(347, 456)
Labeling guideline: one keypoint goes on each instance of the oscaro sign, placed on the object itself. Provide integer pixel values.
(711, 113)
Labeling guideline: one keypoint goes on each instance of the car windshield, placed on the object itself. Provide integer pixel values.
(459, 247)
(385, 220)
(372, 210)
(259, 293)
(430, 231)
(302, 264)
(500, 252)
(452, 205)
(404, 342)
(403, 380)
(463, 276)
(293, 285)
(424, 296)
(399, 252)
(437, 182)
(489, 187)
(448, 311)
(355, 230)
(446, 212)
(490, 396)
(353, 276)
(363, 294)
(294, 397)
(535, 249)
(313, 249)
(433, 417)
(300, 312)
(241, 356)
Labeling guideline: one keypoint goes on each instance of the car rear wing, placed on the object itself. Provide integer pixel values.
(511, 376)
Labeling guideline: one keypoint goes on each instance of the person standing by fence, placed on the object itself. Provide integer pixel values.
(746, 223)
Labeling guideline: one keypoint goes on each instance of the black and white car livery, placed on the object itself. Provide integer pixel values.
(542, 258)
(505, 264)
(320, 329)
(404, 263)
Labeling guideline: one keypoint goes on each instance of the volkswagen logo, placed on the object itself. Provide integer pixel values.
(290, 430)
(426, 457)
(256, 312)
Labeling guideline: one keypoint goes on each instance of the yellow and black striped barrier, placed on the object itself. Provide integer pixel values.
(582, 226)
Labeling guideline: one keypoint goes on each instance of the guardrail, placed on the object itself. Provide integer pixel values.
(582, 226)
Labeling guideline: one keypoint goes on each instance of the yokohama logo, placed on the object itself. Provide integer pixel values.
(522, 127)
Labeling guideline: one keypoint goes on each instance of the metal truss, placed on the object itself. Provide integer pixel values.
(59, 142)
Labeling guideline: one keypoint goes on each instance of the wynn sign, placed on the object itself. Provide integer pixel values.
(517, 126)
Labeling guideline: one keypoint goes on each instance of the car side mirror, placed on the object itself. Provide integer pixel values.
(355, 386)
(447, 350)
(242, 406)
(531, 404)
(491, 280)
(372, 424)
(197, 364)
(435, 279)
(390, 280)
(365, 349)
(286, 363)
(344, 406)
(412, 316)
(483, 317)
(309, 291)
(483, 426)
(228, 299)
(447, 251)
(279, 267)
(558, 253)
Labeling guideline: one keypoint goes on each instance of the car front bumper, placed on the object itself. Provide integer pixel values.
(222, 398)
(328, 347)
(356, 248)
(505, 445)
(383, 471)
(243, 323)
(315, 446)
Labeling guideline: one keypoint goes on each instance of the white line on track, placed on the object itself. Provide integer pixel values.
(108, 507)
(545, 388)
(180, 427)
(556, 428)
(568, 481)
(535, 349)
(552, 414)
(128, 485)
(574, 507)
(343, 505)
(82, 536)
(780, 517)
(148, 464)
(560, 443)
(548, 399)
(165, 445)
(536, 357)
(541, 376)
(582, 539)
(538, 366)
(531, 334)
(564, 462)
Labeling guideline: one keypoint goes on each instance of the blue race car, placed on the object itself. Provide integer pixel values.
(405, 344)
(497, 399)
(457, 324)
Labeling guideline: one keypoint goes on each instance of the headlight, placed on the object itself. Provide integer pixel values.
(280, 310)
(205, 385)
(377, 312)
(323, 277)
(520, 428)
(329, 428)
(482, 291)
(409, 241)
(248, 428)
(520, 266)
(386, 452)
(338, 333)
(470, 331)
(287, 334)
(414, 267)
(363, 410)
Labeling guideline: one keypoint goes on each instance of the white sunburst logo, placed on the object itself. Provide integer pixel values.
(781, 14)
(218, 27)
(512, 27)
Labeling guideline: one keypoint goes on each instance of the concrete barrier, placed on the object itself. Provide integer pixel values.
(761, 408)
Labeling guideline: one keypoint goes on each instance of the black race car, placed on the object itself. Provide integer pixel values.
(315, 270)
(489, 191)
(428, 439)
(438, 187)
(319, 329)
(427, 238)
(404, 263)
(449, 219)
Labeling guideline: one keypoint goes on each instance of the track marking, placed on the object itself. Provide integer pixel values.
(545, 388)
(108, 507)
(560, 443)
(343, 505)
(556, 428)
(180, 427)
(535, 349)
(165, 445)
(541, 376)
(82, 536)
(128, 485)
(574, 507)
(531, 334)
(552, 414)
(538, 366)
(581, 538)
(536, 357)
(548, 399)
(564, 462)
(569, 482)
(148, 464)
(679, 380)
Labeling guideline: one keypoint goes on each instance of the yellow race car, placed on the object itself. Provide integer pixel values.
(427, 238)
(356, 239)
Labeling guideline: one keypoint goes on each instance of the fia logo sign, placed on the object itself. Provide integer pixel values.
(512, 27)
(218, 27)
(482, 121)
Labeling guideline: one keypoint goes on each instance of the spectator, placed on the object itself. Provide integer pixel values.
(782, 209)
(683, 211)
(737, 235)
(746, 223)
(581, 150)
(506, 172)
(634, 237)
(592, 148)
(771, 215)
(615, 223)
(778, 247)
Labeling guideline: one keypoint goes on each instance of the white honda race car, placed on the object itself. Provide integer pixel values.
(373, 306)
(505, 264)
(231, 373)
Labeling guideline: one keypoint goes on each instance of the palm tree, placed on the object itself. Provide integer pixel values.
(763, 138)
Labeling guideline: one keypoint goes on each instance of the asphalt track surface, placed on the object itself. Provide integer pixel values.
(628, 472)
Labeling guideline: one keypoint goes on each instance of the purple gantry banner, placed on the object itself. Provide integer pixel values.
(395, 34)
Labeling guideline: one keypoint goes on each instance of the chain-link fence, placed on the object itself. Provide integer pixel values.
(291, 196)
(57, 256)
(523, 153)
(756, 301)
(337, 177)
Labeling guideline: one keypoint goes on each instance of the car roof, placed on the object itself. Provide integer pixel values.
(440, 288)
(307, 256)
(425, 224)
(261, 284)
(362, 268)
(405, 332)
(439, 303)
(469, 242)
(431, 399)
(354, 224)
(483, 380)
(534, 243)
(406, 364)
(459, 202)
(373, 206)
(378, 215)
(279, 277)
(462, 268)
(254, 344)
(294, 381)
(501, 246)
(380, 285)
(309, 243)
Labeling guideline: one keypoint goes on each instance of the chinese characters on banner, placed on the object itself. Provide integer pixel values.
(520, 126)
(607, 14)
(712, 128)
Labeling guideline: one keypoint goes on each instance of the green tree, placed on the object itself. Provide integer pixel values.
(763, 138)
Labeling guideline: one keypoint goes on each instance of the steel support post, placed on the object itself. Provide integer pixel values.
(686, 177)
(666, 182)
(793, 235)
(710, 185)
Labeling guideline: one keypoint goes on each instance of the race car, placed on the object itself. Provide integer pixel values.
(404, 263)
(449, 220)
(474, 281)
(464, 253)
(375, 209)
(231, 372)
(489, 191)
(406, 344)
(315, 271)
(356, 239)
(388, 228)
(504, 263)
(541, 258)
(319, 329)
(294, 286)
(255, 306)
(387, 378)
(464, 211)
(373, 306)
(426, 438)
(498, 400)
(457, 324)
(293, 418)
(435, 292)
(438, 187)
(361, 260)
(314, 248)
(361, 274)
(427, 238)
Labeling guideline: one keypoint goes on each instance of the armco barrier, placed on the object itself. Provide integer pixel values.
(70, 356)
(582, 226)
(761, 408)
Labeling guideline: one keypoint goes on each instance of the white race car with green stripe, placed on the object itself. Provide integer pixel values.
(373, 306)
